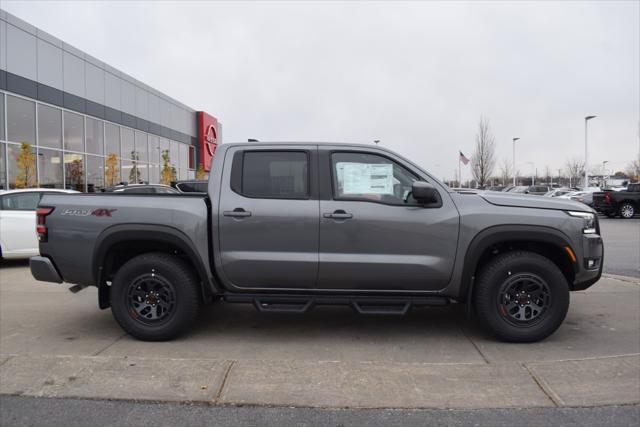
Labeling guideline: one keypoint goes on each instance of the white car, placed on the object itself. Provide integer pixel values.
(18, 238)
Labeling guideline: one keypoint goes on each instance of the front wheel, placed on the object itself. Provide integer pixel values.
(155, 297)
(627, 210)
(521, 297)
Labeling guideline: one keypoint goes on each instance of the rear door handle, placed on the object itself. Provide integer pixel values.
(339, 214)
(237, 213)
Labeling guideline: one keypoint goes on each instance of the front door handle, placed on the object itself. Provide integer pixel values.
(237, 213)
(339, 214)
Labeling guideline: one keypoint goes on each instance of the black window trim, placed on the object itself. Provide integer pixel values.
(333, 197)
(237, 175)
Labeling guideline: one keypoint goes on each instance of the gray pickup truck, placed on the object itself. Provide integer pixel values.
(290, 226)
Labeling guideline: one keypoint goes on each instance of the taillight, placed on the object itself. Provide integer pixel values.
(607, 198)
(41, 220)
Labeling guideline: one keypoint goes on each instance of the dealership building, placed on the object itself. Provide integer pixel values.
(68, 120)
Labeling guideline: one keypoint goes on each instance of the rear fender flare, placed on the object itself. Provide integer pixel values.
(153, 233)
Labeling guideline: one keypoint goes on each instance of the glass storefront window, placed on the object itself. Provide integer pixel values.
(95, 136)
(21, 120)
(154, 149)
(128, 146)
(3, 166)
(126, 171)
(2, 116)
(50, 168)
(175, 154)
(141, 147)
(49, 126)
(154, 174)
(74, 171)
(192, 157)
(95, 174)
(21, 163)
(73, 132)
(111, 170)
(112, 142)
(184, 157)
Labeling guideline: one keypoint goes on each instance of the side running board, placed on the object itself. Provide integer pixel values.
(362, 304)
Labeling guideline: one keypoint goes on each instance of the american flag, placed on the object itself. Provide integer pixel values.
(463, 158)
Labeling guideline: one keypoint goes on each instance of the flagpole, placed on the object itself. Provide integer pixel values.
(459, 171)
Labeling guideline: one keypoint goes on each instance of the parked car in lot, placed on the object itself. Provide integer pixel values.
(536, 190)
(142, 189)
(287, 227)
(624, 203)
(191, 186)
(18, 238)
(557, 192)
(496, 188)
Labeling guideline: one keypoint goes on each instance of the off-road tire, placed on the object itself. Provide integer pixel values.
(506, 269)
(167, 270)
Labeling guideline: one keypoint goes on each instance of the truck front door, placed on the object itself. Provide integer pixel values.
(373, 236)
(269, 218)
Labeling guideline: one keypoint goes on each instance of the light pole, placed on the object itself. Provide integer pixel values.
(586, 153)
(514, 160)
(605, 175)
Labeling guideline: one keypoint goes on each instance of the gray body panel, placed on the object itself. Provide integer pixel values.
(73, 238)
(289, 246)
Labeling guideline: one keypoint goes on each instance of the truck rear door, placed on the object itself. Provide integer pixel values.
(268, 217)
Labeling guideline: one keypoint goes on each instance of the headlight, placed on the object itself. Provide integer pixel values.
(589, 219)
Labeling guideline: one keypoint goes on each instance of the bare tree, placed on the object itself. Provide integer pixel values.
(575, 170)
(633, 169)
(505, 171)
(483, 159)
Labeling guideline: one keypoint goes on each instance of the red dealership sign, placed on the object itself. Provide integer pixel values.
(208, 139)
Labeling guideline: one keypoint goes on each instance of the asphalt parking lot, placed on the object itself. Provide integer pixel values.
(54, 344)
(621, 245)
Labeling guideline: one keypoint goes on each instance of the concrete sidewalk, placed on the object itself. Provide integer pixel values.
(56, 344)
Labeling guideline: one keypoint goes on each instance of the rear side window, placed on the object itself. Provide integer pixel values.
(275, 174)
(21, 201)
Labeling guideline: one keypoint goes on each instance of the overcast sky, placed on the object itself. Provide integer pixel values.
(417, 76)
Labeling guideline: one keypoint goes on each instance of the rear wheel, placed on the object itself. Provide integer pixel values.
(521, 297)
(627, 210)
(155, 297)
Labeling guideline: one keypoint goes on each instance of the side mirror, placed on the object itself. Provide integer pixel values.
(424, 192)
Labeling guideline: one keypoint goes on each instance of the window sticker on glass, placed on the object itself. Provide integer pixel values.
(363, 178)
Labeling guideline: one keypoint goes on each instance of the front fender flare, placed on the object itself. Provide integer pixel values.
(506, 233)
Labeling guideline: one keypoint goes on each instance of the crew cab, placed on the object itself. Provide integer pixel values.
(624, 203)
(291, 226)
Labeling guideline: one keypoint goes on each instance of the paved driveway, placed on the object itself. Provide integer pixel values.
(54, 343)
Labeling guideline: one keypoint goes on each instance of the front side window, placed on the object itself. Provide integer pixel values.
(21, 201)
(275, 174)
(369, 177)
